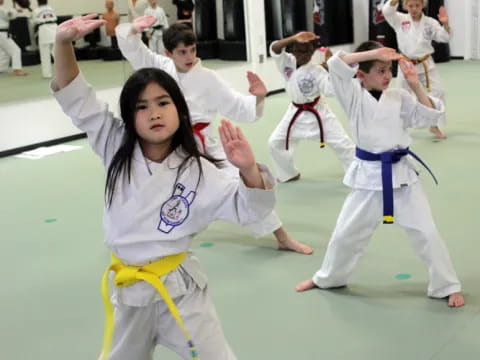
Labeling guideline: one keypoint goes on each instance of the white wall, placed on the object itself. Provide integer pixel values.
(457, 11)
(360, 21)
(472, 29)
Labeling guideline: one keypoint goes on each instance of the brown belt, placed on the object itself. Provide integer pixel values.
(422, 61)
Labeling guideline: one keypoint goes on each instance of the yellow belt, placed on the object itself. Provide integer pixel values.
(126, 275)
(423, 61)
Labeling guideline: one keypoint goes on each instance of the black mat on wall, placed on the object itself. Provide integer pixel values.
(380, 31)
(206, 29)
(294, 17)
(442, 50)
(336, 22)
(234, 46)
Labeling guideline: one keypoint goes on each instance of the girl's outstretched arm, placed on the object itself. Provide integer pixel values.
(66, 67)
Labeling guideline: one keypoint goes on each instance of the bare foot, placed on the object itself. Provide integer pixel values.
(437, 132)
(293, 245)
(295, 178)
(456, 300)
(305, 285)
(19, 73)
(285, 242)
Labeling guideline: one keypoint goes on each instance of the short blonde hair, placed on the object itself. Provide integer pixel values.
(405, 2)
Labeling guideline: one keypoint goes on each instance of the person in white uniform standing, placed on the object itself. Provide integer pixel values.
(136, 8)
(207, 95)
(415, 33)
(9, 50)
(155, 31)
(307, 116)
(45, 22)
(382, 175)
(160, 192)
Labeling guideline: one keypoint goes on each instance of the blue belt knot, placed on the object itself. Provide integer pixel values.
(388, 158)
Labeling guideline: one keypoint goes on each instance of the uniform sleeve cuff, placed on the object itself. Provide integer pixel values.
(340, 67)
(273, 54)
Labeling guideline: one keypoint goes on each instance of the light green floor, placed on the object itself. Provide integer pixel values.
(101, 74)
(52, 257)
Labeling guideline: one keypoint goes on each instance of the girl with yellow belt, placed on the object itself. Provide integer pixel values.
(160, 191)
(415, 33)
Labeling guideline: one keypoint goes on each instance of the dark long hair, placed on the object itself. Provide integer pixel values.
(183, 137)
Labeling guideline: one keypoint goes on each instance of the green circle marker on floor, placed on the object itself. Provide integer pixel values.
(50, 220)
(403, 276)
(206, 244)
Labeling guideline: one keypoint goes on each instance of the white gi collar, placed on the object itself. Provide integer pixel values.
(173, 161)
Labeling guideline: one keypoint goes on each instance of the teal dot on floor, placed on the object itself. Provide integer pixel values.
(403, 276)
(50, 220)
(206, 244)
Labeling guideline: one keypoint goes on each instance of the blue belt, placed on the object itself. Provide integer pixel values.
(388, 158)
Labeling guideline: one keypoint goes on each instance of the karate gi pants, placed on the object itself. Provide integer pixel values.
(139, 329)
(9, 49)
(306, 128)
(46, 51)
(156, 43)
(360, 215)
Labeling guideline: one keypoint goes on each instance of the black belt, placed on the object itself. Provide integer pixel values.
(6, 30)
(44, 23)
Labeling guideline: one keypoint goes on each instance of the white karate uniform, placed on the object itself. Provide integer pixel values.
(43, 17)
(304, 85)
(137, 10)
(415, 41)
(8, 47)
(379, 126)
(156, 42)
(157, 215)
(206, 95)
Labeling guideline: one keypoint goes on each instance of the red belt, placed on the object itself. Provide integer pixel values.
(310, 107)
(197, 131)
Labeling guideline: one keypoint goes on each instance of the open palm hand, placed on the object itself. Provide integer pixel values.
(257, 87)
(305, 36)
(143, 22)
(409, 72)
(443, 15)
(77, 28)
(387, 54)
(236, 147)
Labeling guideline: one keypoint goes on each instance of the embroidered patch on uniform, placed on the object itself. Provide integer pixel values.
(428, 32)
(288, 72)
(175, 210)
(306, 84)
(406, 25)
